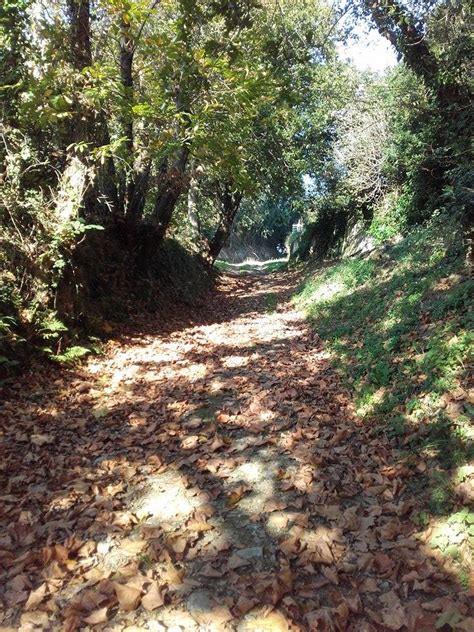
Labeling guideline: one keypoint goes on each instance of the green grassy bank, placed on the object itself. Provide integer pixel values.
(398, 323)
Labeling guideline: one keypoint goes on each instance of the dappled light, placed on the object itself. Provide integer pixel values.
(235, 316)
(217, 476)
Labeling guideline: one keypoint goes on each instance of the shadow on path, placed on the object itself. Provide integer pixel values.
(212, 478)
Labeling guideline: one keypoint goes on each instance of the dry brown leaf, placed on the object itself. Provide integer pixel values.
(393, 615)
(282, 474)
(153, 598)
(273, 621)
(97, 616)
(128, 596)
(321, 619)
(133, 546)
(113, 490)
(439, 604)
(173, 576)
(354, 602)
(321, 553)
(41, 439)
(331, 574)
(88, 600)
(199, 527)
(209, 571)
(244, 604)
(35, 597)
(179, 545)
(30, 620)
(369, 584)
(234, 497)
(274, 505)
(394, 618)
(217, 443)
(289, 546)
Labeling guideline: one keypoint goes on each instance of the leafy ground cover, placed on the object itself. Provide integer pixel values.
(209, 472)
(399, 326)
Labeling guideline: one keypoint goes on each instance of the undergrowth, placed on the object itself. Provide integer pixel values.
(94, 294)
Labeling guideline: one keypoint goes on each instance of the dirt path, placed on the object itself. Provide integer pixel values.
(211, 478)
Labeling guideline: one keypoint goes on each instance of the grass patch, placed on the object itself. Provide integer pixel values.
(399, 327)
(271, 302)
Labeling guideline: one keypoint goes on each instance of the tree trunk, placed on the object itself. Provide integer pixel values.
(127, 50)
(193, 215)
(173, 184)
(80, 44)
(137, 199)
(230, 203)
(128, 179)
(400, 27)
(80, 128)
(106, 176)
(396, 24)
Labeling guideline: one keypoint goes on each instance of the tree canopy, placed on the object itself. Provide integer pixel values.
(127, 121)
(236, 315)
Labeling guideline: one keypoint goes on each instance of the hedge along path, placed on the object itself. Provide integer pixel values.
(213, 477)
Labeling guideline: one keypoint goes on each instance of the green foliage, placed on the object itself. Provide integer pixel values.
(440, 494)
(271, 302)
(38, 238)
(267, 219)
(238, 94)
(72, 355)
(411, 160)
(388, 219)
(458, 526)
(399, 327)
(13, 53)
(400, 148)
(393, 308)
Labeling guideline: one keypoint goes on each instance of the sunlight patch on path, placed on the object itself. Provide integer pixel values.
(218, 471)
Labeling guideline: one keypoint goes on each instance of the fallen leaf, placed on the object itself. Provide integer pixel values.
(179, 545)
(236, 562)
(97, 616)
(37, 618)
(244, 604)
(273, 621)
(133, 546)
(153, 598)
(199, 527)
(234, 497)
(393, 615)
(209, 571)
(35, 597)
(41, 439)
(331, 574)
(128, 596)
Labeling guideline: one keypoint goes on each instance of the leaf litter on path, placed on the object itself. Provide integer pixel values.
(213, 475)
